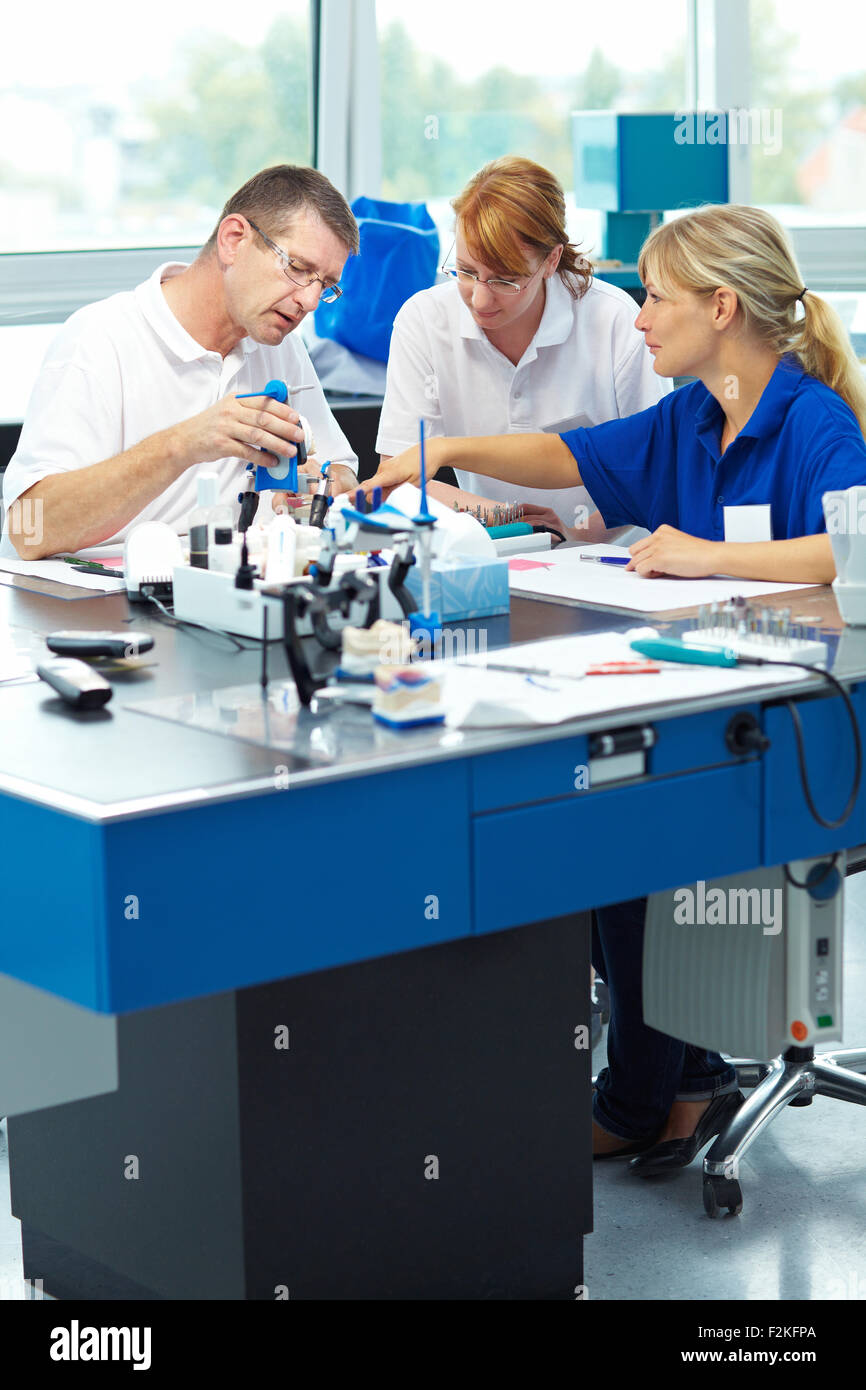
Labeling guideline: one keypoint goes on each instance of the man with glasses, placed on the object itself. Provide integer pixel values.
(140, 390)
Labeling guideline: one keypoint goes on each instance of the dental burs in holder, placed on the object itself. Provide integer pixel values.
(425, 626)
(845, 517)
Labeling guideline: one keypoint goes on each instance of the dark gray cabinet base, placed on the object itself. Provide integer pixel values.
(411, 1127)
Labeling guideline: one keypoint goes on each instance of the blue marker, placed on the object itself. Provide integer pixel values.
(607, 559)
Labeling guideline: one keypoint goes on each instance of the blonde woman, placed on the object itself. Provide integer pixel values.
(520, 338)
(777, 416)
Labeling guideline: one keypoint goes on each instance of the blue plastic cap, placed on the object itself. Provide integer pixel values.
(426, 631)
(277, 390)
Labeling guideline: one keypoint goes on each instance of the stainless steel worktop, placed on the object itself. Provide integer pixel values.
(115, 763)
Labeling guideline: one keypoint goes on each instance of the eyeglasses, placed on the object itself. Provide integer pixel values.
(497, 286)
(296, 273)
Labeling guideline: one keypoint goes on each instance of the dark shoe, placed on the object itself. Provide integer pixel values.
(673, 1154)
(623, 1148)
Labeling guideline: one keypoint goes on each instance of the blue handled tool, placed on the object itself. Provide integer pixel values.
(284, 473)
(668, 649)
(425, 626)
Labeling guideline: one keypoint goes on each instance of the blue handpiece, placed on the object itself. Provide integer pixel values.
(668, 649)
(283, 475)
(377, 499)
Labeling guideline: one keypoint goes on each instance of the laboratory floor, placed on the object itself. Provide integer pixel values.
(802, 1231)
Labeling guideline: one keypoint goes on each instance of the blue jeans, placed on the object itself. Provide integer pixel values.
(647, 1071)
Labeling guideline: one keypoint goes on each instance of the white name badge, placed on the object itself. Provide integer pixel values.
(748, 523)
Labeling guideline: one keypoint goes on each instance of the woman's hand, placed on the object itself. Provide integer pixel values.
(406, 468)
(543, 516)
(668, 551)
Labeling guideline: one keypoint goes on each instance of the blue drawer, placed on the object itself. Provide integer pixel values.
(696, 741)
(609, 845)
(174, 906)
(790, 831)
(550, 770)
(539, 773)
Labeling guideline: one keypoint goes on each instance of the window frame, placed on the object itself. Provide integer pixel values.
(45, 287)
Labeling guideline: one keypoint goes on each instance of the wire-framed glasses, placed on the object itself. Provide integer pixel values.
(299, 275)
(494, 283)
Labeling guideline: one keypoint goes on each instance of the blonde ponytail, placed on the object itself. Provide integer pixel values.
(825, 350)
(747, 250)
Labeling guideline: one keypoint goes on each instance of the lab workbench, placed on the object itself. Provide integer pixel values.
(309, 1020)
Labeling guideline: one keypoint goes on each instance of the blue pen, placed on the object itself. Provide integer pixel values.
(607, 559)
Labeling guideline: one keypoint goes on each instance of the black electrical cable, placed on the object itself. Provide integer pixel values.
(814, 883)
(551, 530)
(801, 750)
(201, 627)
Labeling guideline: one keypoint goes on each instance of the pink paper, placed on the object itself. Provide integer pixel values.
(530, 565)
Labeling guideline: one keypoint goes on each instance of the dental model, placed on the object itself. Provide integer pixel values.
(406, 697)
(384, 644)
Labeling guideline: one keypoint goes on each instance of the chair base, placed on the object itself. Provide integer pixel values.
(794, 1078)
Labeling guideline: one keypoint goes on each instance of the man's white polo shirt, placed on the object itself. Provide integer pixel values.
(587, 363)
(123, 369)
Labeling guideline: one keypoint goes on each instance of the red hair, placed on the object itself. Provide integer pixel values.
(511, 204)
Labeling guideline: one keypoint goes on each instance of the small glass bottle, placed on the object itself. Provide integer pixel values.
(225, 551)
(205, 517)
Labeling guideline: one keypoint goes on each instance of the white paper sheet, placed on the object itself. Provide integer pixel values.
(61, 573)
(476, 697)
(568, 579)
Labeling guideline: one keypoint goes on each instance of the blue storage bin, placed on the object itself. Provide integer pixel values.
(399, 255)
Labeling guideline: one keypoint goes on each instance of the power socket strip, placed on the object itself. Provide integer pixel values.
(804, 650)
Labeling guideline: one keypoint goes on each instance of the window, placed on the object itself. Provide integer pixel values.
(807, 71)
(130, 128)
(472, 82)
(808, 81)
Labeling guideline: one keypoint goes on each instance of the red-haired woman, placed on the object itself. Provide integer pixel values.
(520, 338)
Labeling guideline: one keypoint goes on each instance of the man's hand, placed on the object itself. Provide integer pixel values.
(240, 429)
(668, 551)
(343, 478)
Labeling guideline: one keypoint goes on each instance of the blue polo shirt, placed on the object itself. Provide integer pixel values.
(663, 465)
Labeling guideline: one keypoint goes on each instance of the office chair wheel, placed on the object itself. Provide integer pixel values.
(722, 1192)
